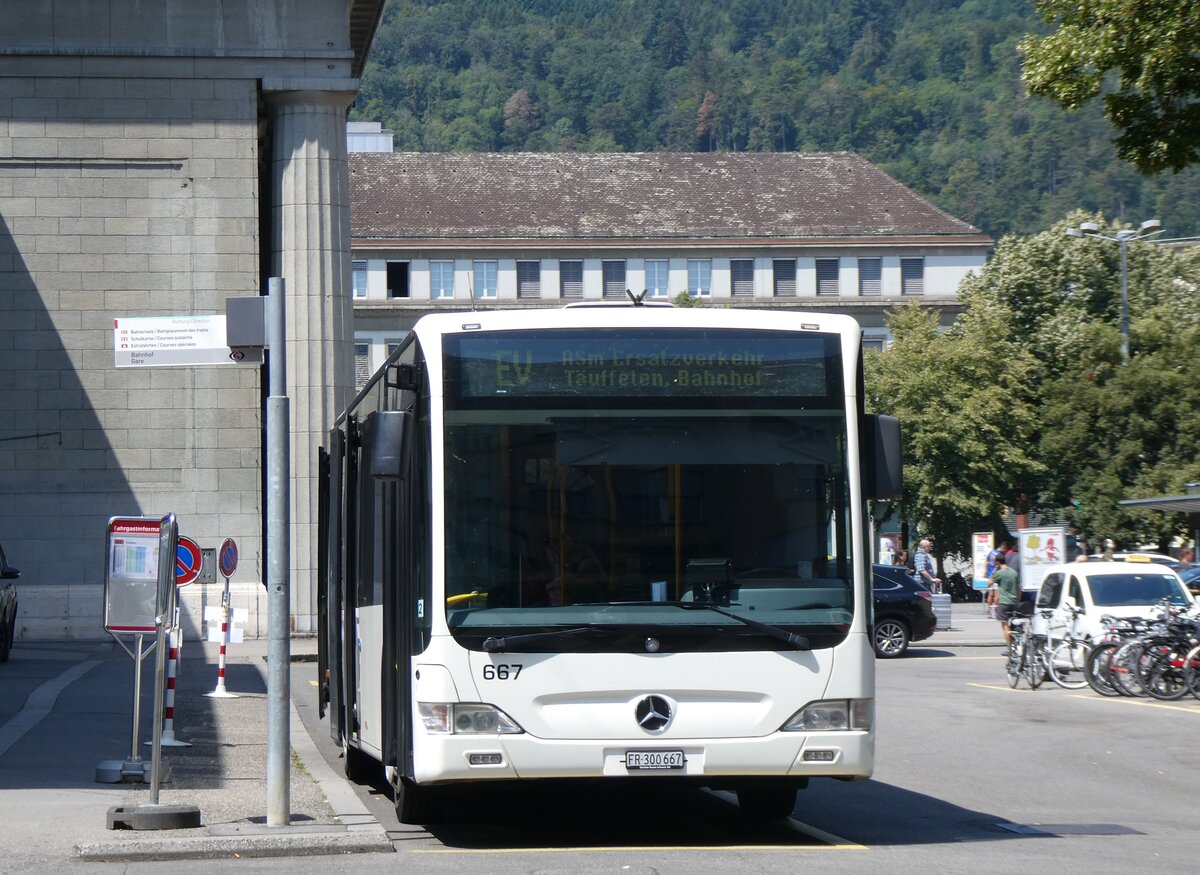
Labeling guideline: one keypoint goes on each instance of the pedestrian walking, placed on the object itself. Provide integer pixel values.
(923, 563)
(1008, 595)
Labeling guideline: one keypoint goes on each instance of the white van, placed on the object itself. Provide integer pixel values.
(1118, 589)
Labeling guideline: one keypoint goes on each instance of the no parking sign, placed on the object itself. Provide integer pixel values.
(227, 559)
(188, 561)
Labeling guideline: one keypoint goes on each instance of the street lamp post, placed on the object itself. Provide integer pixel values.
(1123, 237)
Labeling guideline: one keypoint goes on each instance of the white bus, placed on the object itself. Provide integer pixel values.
(605, 542)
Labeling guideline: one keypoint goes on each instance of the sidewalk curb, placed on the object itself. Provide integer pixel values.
(357, 833)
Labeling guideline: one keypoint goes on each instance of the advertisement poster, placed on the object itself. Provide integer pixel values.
(981, 546)
(888, 546)
(1041, 550)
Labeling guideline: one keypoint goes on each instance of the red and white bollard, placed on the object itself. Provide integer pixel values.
(220, 692)
(173, 659)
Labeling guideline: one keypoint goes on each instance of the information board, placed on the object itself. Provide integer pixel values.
(170, 341)
(131, 574)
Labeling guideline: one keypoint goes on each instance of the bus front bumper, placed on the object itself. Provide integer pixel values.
(453, 758)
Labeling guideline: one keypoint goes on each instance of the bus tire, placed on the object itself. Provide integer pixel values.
(415, 804)
(359, 768)
(767, 801)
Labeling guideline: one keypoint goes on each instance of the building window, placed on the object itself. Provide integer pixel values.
(529, 279)
(870, 276)
(785, 277)
(827, 277)
(912, 276)
(741, 277)
(874, 341)
(570, 279)
(397, 279)
(699, 277)
(362, 364)
(441, 279)
(614, 279)
(656, 279)
(358, 275)
(485, 279)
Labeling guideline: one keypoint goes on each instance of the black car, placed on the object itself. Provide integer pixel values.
(8, 605)
(903, 611)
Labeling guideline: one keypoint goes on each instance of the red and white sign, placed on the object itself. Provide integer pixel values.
(188, 561)
(228, 557)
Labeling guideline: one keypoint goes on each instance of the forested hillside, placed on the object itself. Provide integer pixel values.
(929, 90)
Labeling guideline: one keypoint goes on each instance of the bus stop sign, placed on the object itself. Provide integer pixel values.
(188, 561)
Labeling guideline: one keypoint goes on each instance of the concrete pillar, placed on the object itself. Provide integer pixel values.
(310, 249)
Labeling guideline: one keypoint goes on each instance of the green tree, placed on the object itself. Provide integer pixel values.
(1151, 47)
(965, 408)
(1103, 430)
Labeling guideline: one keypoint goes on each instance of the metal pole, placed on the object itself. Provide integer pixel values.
(1124, 241)
(137, 696)
(278, 566)
(160, 665)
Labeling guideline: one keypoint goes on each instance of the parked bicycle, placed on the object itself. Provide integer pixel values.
(1024, 650)
(1158, 657)
(1066, 657)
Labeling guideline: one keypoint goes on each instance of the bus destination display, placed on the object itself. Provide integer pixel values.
(715, 364)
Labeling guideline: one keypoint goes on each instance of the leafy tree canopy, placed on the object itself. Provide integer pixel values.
(966, 405)
(930, 90)
(1026, 403)
(1150, 48)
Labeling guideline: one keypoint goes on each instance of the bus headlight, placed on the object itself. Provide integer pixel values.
(833, 715)
(466, 719)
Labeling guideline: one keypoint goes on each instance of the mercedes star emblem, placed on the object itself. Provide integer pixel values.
(653, 713)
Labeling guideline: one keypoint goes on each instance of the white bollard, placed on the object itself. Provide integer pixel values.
(220, 692)
(168, 738)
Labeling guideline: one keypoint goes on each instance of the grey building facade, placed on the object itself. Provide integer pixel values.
(828, 232)
(156, 158)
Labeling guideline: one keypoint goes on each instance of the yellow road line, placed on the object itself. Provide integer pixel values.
(801, 827)
(1004, 689)
(639, 848)
(1143, 703)
(1120, 700)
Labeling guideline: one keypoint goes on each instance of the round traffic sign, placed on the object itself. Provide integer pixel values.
(188, 561)
(228, 557)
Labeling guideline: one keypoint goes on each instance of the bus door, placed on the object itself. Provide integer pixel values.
(324, 672)
(398, 465)
(335, 634)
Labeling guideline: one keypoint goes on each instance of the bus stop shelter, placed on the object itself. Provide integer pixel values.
(1189, 504)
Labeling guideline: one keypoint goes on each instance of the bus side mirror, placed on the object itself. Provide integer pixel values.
(387, 438)
(882, 458)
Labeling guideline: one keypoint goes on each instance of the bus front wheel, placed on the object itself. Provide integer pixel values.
(767, 801)
(414, 803)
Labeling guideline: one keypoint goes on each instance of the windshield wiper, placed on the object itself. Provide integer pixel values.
(800, 642)
(492, 644)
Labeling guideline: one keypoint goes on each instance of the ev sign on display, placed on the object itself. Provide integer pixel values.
(188, 561)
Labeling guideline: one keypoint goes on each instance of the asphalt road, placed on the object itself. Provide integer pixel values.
(971, 776)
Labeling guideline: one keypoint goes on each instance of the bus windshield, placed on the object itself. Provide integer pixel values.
(598, 481)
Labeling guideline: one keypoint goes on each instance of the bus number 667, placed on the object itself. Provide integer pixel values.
(502, 672)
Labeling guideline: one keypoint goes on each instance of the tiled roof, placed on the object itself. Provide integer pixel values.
(647, 195)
